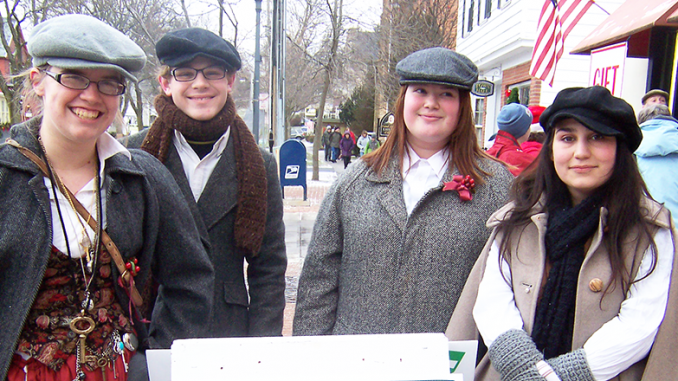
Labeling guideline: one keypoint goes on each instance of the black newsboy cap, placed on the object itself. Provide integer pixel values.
(439, 66)
(597, 109)
(183, 45)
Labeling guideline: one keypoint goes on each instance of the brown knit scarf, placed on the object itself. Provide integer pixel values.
(250, 218)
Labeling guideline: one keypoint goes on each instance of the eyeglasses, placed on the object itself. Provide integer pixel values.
(187, 74)
(79, 82)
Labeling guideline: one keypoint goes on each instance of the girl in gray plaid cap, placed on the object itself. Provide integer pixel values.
(85, 223)
(399, 231)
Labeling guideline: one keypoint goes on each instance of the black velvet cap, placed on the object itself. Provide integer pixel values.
(598, 110)
(182, 46)
(440, 66)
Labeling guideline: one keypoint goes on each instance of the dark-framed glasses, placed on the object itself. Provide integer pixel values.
(186, 74)
(79, 82)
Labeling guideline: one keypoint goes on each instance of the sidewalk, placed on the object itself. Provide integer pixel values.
(299, 218)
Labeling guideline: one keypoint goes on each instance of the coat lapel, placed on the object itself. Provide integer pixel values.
(391, 196)
(221, 192)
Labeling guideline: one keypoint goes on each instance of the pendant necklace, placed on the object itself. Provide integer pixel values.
(82, 325)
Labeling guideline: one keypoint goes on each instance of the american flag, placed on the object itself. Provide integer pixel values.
(556, 20)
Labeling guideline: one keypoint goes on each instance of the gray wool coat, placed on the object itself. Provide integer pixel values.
(146, 218)
(237, 312)
(372, 269)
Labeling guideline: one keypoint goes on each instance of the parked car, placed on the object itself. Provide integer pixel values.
(298, 132)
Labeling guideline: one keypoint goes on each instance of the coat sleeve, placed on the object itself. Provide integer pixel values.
(266, 271)
(318, 292)
(181, 265)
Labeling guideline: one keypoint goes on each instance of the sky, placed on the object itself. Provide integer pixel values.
(364, 14)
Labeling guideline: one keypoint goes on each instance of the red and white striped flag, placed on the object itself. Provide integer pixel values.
(556, 20)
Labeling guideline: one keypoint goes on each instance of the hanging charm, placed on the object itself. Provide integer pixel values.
(132, 267)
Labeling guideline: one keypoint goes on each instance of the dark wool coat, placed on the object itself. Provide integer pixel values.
(237, 312)
(146, 218)
(372, 269)
(594, 309)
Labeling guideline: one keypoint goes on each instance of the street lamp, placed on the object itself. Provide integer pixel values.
(257, 60)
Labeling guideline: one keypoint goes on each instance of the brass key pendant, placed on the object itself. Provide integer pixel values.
(82, 326)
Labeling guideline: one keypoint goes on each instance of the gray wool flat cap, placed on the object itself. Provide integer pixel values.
(440, 66)
(84, 42)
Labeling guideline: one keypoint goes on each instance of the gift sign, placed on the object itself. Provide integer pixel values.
(607, 67)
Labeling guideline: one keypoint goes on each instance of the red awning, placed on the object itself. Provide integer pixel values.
(632, 17)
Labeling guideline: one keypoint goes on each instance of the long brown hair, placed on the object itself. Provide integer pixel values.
(622, 195)
(463, 144)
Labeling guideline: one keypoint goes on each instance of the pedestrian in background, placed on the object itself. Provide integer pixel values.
(399, 231)
(534, 143)
(579, 276)
(230, 184)
(335, 140)
(655, 96)
(372, 144)
(362, 142)
(326, 143)
(657, 155)
(85, 223)
(346, 148)
(514, 122)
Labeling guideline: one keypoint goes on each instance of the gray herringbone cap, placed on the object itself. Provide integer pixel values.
(439, 66)
(84, 42)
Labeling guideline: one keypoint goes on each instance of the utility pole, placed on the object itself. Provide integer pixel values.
(277, 76)
(257, 61)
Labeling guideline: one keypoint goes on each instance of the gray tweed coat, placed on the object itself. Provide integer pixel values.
(146, 217)
(238, 310)
(371, 269)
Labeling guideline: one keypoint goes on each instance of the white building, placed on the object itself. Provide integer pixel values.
(498, 35)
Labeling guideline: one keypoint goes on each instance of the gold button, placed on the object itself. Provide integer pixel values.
(596, 285)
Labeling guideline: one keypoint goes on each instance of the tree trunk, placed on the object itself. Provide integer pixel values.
(317, 139)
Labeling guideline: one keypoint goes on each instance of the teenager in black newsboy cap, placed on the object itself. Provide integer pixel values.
(230, 183)
(579, 276)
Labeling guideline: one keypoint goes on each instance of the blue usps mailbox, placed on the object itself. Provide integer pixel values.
(293, 165)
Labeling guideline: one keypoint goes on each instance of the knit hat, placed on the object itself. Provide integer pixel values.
(440, 66)
(597, 109)
(184, 45)
(515, 119)
(84, 42)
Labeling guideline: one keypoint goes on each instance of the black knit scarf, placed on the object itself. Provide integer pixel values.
(567, 232)
(250, 219)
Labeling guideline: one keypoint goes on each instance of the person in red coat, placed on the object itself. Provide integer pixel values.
(514, 128)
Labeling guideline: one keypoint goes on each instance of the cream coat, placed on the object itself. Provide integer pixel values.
(592, 309)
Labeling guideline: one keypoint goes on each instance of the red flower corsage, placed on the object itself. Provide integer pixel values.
(462, 184)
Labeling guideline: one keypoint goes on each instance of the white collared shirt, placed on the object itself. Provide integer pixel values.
(420, 175)
(199, 171)
(107, 146)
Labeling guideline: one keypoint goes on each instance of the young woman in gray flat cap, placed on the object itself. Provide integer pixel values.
(399, 231)
(230, 184)
(85, 223)
(579, 279)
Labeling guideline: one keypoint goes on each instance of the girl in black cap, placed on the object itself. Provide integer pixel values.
(85, 223)
(578, 280)
(399, 231)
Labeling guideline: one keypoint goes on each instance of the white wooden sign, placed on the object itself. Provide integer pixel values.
(607, 67)
(346, 357)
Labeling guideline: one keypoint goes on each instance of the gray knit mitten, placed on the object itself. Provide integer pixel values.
(572, 366)
(514, 355)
